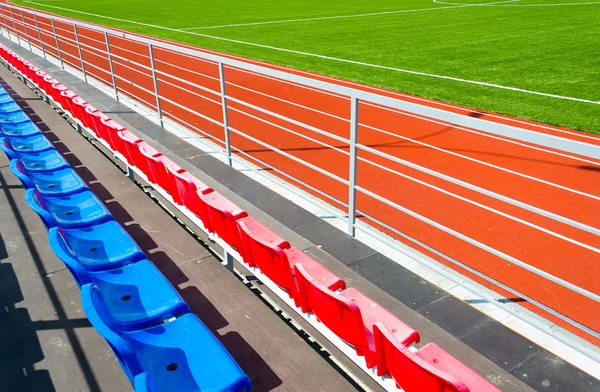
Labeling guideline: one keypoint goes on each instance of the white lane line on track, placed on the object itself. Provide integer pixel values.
(400, 95)
(354, 62)
(504, 169)
(434, 187)
(424, 119)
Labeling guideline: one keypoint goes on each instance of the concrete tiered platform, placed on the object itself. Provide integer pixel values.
(46, 341)
(54, 348)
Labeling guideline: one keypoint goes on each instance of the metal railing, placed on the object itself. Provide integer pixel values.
(138, 68)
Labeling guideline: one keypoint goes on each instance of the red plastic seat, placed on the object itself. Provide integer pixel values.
(66, 100)
(223, 216)
(428, 369)
(39, 76)
(127, 144)
(55, 90)
(185, 187)
(351, 316)
(97, 126)
(173, 170)
(79, 112)
(155, 166)
(47, 82)
(88, 114)
(32, 73)
(140, 160)
(260, 244)
(260, 247)
(110, 129)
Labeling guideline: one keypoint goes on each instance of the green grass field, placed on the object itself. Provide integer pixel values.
(542, 46)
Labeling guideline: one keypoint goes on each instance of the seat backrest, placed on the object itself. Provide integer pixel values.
(196, 203)
(60, 245)
(55, 91)
(111, 128)
(66, 99)
(19, 170)
(90, 114)
(7, 148)
(149, 154)
(97, 313)
(127, 144)
(36, 202)
(99, 128)
(187, 185)
(65, 244)
(162, 177)
(409, 371)
(339, 314)
(223, 215)
(79, 110)
(173, 185)
(261, 247)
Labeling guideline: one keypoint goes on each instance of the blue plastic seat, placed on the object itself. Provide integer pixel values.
(39, 161)
(23, 129)
(143, 382)
(13, 117)
(9, 107)
(178, 355)
(59, 182)
(96, 248)
(70, 212)
(5, 98)
(138, 296)
(33, 143)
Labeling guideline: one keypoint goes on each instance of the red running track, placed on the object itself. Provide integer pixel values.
(562, 183)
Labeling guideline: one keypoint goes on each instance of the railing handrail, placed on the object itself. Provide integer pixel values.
(352, 95)
(547, 140)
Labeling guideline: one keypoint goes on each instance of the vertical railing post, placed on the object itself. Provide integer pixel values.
(37, 26)
(5, 23)
(26, 32)
(158, 109)
(227, 260)
(352, 172)
(112, 68)
(12, 16)
(62, 64)
(225, 115)
(80, 52)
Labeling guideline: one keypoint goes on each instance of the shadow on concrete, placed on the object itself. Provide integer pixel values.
(19, 344)
(262, 376)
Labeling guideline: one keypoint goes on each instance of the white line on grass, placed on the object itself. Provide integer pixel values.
(408, 71)
(500, 4)
(328, 17)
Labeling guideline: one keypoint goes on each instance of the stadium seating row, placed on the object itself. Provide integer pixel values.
(372, 331)
(159, 343)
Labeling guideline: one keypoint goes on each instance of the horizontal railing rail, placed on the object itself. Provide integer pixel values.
(49, 35)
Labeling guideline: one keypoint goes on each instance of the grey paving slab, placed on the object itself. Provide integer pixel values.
(340, 245)
(507, 349)
(288, 213)
(402, 284)
(546, 372)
